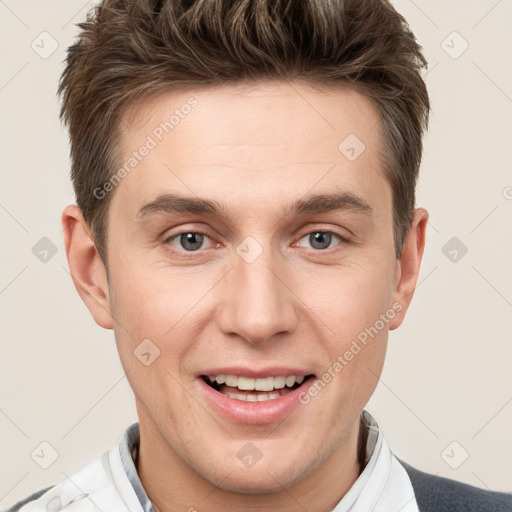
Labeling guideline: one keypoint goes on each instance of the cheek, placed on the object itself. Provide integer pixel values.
(356, 305)
(153, 336)
(163, 305)
(149, 302)
(348, 298)
(144, 313)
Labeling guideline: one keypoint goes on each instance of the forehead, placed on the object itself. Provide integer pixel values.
(269, 113)
(260, 141)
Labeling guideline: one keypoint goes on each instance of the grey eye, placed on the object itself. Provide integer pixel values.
(320, 240)
(191, 241)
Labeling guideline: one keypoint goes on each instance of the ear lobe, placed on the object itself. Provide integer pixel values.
(408, 267)
(87, 270)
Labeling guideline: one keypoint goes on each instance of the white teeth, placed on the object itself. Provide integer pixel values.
(259, 384)
(245, 383)
(279, 382)
(290, 381)
(259, 397)
(231, 381)
(266, 384)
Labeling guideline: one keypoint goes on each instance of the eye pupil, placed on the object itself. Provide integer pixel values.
(191, 241)
(321, 238)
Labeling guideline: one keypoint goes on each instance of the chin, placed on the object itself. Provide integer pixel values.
(260, 479)
(249, 482)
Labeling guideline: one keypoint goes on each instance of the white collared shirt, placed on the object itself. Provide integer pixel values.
(112, 484)
(383, 485)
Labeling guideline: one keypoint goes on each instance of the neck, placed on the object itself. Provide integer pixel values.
(172, 484)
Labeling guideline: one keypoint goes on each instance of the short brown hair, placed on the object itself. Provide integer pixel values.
(128, 50)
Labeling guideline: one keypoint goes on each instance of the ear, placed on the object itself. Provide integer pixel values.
(87, 270)
(408, 267)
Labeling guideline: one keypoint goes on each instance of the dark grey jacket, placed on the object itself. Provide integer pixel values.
(433, 494)
(438, 494)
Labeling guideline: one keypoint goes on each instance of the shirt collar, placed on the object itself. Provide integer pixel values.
(129, 452)
(383, 484)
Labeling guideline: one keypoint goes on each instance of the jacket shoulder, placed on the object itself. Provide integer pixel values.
(439, 494)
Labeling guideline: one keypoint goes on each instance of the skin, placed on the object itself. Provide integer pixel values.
(255, 149)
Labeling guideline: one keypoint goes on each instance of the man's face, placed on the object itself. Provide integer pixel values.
(262, 290)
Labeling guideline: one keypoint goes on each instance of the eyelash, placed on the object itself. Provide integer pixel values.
(190, 254)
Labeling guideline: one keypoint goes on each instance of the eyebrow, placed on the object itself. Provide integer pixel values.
(313, 204)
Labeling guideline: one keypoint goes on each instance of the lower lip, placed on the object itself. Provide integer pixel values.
(253, 413)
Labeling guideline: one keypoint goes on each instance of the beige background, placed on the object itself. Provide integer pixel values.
(447, 377)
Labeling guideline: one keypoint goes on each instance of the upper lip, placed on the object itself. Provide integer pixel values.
(242, 371)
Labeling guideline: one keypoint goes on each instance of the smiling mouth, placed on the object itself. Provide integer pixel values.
(249, 389)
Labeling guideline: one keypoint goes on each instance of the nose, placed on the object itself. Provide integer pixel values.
(258, 303)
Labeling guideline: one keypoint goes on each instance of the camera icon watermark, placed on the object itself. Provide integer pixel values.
(454, 455)
(352, 147)
(44, 455)
(44, 45)
(454, 45)
(454, 249)
(249, 455)
(146, 352)
(249, 249)
(44, 250)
